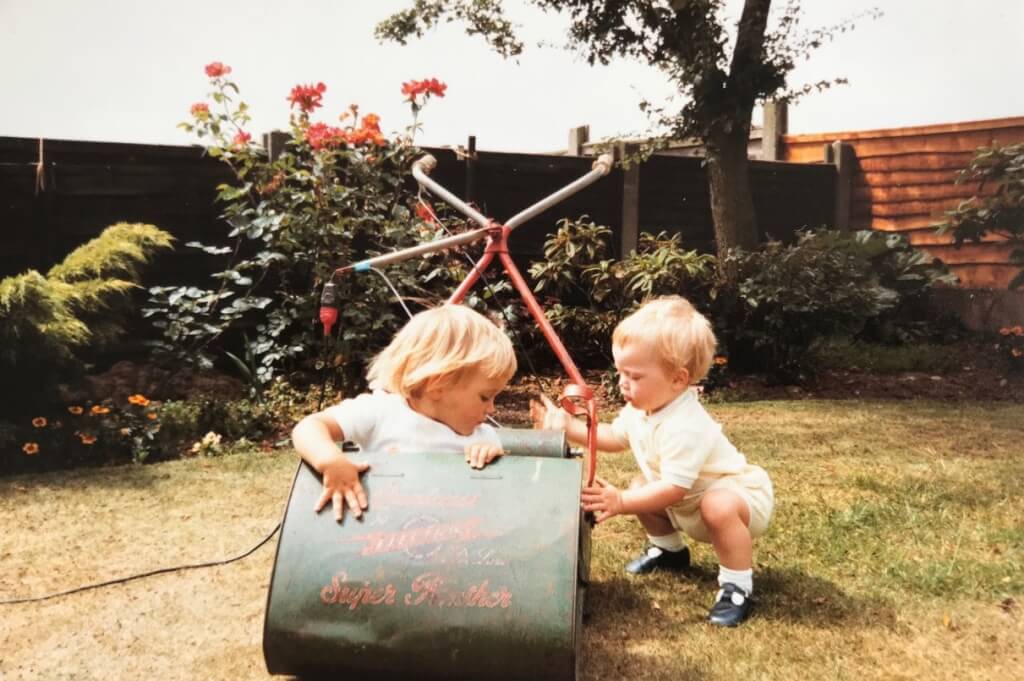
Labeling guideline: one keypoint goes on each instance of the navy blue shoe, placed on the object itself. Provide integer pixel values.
(732, 606)
(654, 558)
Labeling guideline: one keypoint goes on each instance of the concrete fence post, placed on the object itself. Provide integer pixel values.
(577, 138)
(842, 155)
(629, 237)
(775, 124)
(274, 142)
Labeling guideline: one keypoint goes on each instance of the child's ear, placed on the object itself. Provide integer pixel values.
(682, 378)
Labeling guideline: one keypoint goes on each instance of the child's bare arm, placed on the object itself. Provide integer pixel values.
(551, 416)
(314, 438)
(607, 500)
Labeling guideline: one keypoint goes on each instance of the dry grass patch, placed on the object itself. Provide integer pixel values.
(896, 552)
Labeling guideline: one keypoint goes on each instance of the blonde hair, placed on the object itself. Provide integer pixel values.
(680, 336)
(437, 348)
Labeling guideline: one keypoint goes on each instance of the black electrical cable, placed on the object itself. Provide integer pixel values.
(159, 571)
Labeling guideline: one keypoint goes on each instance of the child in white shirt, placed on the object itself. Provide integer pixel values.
(694, 482)
(433, 387)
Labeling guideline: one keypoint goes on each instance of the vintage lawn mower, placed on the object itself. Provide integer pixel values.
(455, 573)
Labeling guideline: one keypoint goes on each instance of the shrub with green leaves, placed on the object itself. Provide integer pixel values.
(912, 274)
(784, 297)
(586, 293)
(334, 196)
(49, 322)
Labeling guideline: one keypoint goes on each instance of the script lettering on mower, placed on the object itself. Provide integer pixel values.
(427, 590)
(375, 543)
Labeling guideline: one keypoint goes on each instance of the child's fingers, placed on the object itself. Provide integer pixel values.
(338, 505)
(601, 482)
(353, 503)
(361, 496)
(322, 501)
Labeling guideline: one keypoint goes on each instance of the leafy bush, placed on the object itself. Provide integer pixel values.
(912, 274)
(1001, 210)
(335, 196)
(586, 293)
(48, 323)
(785, 297)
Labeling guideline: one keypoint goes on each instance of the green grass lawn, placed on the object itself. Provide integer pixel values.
(896, 551)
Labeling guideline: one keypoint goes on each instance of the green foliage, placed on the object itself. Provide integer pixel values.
(48, 322)
(335, 196)
(588, 293)
(912, 274)
(785, 297)
(998, 211)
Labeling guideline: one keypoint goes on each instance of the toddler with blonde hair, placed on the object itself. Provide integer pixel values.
(694, 481)
(432, 389)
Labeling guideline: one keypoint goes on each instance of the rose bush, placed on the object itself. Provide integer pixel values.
(338, 193)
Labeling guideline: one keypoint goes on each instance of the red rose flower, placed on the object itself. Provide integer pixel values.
(241, 139)
(307, 97)
(200, 110)
(216, 69)
(321, 135)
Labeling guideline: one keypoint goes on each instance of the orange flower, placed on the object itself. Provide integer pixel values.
(1018, 330)
(126, 431)
(139, 400)
(30, 448)
(151, 416)
(721, 361)
(76, 410)
(99, 409)
(1016, 352)
(1005, 331)
(39, 422)
(87, 439)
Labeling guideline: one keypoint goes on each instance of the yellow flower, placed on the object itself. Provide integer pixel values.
(87, 439)
(151, 416)
(30, 448)
(99, 409)
(39, 422)
(76, 410)
(139, 400)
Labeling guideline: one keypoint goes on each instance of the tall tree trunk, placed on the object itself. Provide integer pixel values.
(732, 203)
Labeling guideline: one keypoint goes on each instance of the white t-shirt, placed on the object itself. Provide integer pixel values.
(384, 422)
(680, 443)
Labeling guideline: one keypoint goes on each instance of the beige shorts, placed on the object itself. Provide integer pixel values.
(752, 485)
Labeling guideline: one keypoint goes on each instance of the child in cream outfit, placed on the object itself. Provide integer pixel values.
(694, 481)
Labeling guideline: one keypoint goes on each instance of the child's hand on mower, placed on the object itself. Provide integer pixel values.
(603, 498)
(480, 454)
(342, 486)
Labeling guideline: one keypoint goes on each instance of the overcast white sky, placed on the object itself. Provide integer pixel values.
(128, 70)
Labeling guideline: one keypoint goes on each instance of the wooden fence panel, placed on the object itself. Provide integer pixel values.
(905, 181)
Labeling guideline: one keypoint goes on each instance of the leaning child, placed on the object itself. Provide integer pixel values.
(432, 388)
(694, 482)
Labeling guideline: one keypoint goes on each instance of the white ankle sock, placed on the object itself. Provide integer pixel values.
(668, 542)
(744, 579)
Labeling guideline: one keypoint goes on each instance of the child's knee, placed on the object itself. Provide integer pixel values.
(722, 507)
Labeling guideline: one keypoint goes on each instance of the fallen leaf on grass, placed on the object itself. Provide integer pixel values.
(1008, 605)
